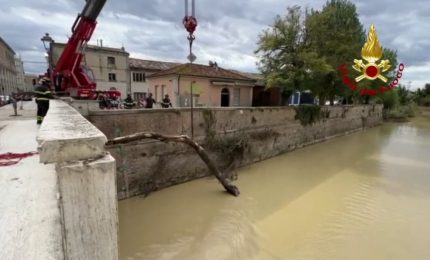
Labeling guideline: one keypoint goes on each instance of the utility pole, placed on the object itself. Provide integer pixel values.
(192, 110)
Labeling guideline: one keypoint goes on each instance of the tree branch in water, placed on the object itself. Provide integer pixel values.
(230, 188)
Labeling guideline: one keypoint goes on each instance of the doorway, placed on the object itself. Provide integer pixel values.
(225, 97)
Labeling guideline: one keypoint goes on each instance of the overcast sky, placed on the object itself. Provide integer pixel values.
(227, 31)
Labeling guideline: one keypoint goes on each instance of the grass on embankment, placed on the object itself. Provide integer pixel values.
(400, 113)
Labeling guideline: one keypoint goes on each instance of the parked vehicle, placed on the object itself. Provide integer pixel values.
(4, 100)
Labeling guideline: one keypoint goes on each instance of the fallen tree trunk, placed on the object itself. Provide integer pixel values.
(230, 188)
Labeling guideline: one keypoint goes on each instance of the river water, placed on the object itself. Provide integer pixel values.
(362, 196)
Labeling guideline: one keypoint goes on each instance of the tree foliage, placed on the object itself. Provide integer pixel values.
(285, 59)
(337, 35)
(304, 49)
(427, 89)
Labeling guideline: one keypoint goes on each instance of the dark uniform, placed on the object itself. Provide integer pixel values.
(128, 102)
(166, 102)
(43, 94)
(150, 101)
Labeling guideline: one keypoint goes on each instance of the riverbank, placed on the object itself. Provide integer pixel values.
(234, 137)
(361, 196)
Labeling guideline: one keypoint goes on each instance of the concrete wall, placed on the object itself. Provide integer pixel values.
(86, 183)
(149, 165)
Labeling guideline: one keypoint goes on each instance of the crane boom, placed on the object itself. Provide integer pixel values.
(68, 74)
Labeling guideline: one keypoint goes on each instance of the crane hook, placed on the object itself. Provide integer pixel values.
(190, 24)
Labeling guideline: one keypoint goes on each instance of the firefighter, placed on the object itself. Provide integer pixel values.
(150, 101)
(102, 101)
(166, 102)
(128, 102)
(43, 94)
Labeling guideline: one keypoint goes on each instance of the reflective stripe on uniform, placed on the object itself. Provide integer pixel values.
(42, 93)
(40, 117)
(42, 99)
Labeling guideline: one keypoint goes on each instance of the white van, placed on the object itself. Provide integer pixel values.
(4, 100)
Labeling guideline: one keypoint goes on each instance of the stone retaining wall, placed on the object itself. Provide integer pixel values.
(146, 166)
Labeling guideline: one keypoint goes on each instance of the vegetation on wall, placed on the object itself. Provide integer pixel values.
(308, 114)
(209, 123)
(399, 104)
(230, 146)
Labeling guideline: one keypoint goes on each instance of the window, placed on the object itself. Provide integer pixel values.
(112, 77)
(139, 96)
(139, 77)
(111, 60)
(236, 97)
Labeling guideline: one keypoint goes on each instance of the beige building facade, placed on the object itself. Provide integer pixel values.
(109, 66)
(8, 73)
(140, 70)
(30, 80)
(20, 76)
(212, 86)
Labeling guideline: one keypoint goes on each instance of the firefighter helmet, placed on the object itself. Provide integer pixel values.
(44, 80)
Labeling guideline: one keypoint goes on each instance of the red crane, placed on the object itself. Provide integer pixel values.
(69, 75)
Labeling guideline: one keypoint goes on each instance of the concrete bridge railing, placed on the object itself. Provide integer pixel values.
(86, 183)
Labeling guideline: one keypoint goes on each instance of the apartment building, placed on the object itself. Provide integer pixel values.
(8, 73)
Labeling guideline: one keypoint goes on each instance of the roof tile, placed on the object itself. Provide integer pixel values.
(151, 64)
(199, 70)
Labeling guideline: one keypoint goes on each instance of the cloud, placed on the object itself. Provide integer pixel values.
(227, 31)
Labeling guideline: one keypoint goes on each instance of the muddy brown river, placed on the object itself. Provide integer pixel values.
(362, 196)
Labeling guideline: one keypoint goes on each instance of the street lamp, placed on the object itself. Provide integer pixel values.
(46, 39)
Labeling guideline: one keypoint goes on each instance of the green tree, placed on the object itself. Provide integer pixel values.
(337, 35)
(390, 99)
(285, 57)
(427, 89)
(403, 94)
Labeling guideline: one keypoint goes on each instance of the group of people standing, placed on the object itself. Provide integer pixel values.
(149, 102)
(129, 103)
(43, 95)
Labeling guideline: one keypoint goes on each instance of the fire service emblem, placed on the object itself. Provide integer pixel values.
(370, 68)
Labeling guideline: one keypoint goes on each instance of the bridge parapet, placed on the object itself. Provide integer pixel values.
(86, 183)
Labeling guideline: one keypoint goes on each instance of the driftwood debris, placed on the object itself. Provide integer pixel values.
(230, 188)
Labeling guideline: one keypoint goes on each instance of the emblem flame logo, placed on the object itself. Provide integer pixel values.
(371, 52)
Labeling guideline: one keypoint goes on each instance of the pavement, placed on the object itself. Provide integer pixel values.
(28, 111)
(29, 213)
